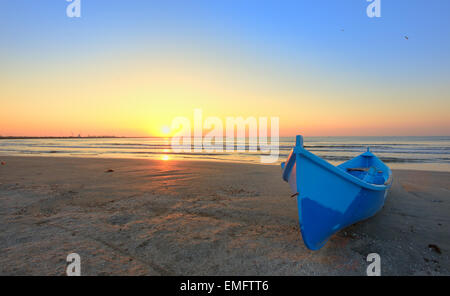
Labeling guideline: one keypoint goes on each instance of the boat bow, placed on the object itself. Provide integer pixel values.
(330, 198)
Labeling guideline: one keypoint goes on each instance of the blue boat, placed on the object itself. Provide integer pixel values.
(330, 198)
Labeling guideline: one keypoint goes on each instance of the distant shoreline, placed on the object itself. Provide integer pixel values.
(151, 137)
(93, 137)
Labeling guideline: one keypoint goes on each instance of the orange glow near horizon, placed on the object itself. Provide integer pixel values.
(142, 99)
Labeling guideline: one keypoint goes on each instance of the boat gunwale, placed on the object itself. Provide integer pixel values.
(337, 171)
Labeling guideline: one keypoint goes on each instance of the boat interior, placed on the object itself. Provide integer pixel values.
(367, 168)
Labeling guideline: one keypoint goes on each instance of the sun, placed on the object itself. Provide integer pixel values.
(165, 130)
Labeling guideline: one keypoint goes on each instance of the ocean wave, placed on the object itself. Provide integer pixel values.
(430, 150)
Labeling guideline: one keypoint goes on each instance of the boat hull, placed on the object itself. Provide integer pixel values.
(328, 198)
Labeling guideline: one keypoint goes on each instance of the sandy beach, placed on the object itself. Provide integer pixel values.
(150, 217)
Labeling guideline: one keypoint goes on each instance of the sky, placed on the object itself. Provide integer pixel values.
(128, 68)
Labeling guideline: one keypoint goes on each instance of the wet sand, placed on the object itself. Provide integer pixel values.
(149, 217)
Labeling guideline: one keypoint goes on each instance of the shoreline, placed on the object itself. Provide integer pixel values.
(398, 166)
(154, 217)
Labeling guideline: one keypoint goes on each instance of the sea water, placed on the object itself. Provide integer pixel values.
(422, 153)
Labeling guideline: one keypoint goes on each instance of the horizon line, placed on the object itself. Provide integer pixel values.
(162, 137)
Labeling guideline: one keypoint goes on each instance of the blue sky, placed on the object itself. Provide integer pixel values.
(295, 43)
